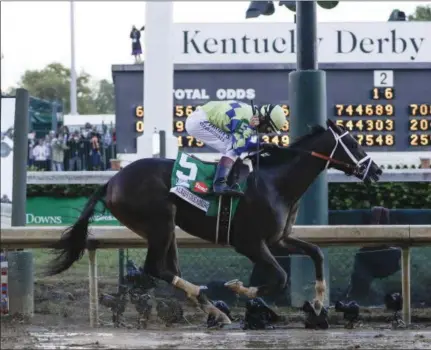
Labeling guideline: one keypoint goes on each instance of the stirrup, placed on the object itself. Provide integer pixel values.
(225, 190)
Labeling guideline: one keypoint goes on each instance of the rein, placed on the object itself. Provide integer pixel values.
(330, 159)
(359, 167)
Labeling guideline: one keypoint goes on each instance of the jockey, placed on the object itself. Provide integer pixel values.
(231, 128)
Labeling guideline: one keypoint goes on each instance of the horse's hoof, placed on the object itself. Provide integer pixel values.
(315, 319)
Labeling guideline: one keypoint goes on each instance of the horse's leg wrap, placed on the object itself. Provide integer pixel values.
(193, 293)
(238, 287)
(190, 289)
(320, 288)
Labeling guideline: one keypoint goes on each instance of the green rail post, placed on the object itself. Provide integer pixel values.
(21, 269)
(307, 98)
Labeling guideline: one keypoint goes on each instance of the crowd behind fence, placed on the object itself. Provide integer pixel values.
(87, 148)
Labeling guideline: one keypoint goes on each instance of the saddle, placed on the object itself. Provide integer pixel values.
(192, 180)
(239, 173)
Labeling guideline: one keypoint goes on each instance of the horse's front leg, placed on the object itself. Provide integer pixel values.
(316, 254)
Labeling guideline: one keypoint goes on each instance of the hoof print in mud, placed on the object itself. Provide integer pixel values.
(314, 321)
(212, 322)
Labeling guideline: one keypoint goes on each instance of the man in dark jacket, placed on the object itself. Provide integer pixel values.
(76, 151)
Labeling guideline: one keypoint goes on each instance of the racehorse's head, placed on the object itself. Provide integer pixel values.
(348, 156)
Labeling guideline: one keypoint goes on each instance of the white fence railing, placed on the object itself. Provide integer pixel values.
(404, 236)
(100, 177)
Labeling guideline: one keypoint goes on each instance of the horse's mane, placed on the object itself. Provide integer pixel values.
(273, 156)
(315, 130)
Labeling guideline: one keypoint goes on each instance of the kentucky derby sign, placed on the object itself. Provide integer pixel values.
(393, 42)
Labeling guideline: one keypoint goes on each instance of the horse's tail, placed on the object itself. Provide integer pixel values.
(74, 240)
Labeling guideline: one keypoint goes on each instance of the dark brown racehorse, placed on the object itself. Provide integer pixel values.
(138, 196)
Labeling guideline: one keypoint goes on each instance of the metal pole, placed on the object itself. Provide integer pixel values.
(162, 140)
(73, 88)
(20, 153)
(307, 97)
(21, 284)
(306, 35)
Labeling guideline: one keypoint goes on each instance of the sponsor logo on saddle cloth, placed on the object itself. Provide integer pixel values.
(188, 181)
(193, 199)
(192, 179)
(200, 187)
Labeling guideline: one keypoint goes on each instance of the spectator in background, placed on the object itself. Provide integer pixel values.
(86, 137)
(31, 144)
(58, 146)
(40, 154)
(135, 35)
(85, 149)
(48, 147)
(65, 131)
(95, 151)
(106, 146)
(76, 151)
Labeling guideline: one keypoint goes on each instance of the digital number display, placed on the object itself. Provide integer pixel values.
(367, 124)
(422, 110)
(420, 140)
(372, 140)
(364, 110)
(184, 111)
(189, 141)
(383, 94)
(420, 124)
(385, 110)
(280, 140)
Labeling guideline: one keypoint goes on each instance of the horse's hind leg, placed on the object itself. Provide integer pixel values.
(162, 262)
(261, 255)
(172, 263)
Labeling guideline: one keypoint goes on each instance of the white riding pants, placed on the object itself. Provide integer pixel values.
(197, 125)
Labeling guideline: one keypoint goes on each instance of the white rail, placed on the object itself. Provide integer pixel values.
(100, 177)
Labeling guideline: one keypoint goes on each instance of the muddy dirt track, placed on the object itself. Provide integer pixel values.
(61, 322)
(193, 338)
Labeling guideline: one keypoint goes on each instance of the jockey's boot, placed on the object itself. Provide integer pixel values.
(220, 185)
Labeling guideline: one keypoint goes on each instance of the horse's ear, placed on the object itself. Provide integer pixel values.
(329, 123)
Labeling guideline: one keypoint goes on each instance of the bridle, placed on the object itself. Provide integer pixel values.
(360, 168)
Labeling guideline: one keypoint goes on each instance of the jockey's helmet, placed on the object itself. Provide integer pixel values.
(271, 117)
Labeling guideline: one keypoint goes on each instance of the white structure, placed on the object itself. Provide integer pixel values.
(158, 78)
(7, 126)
